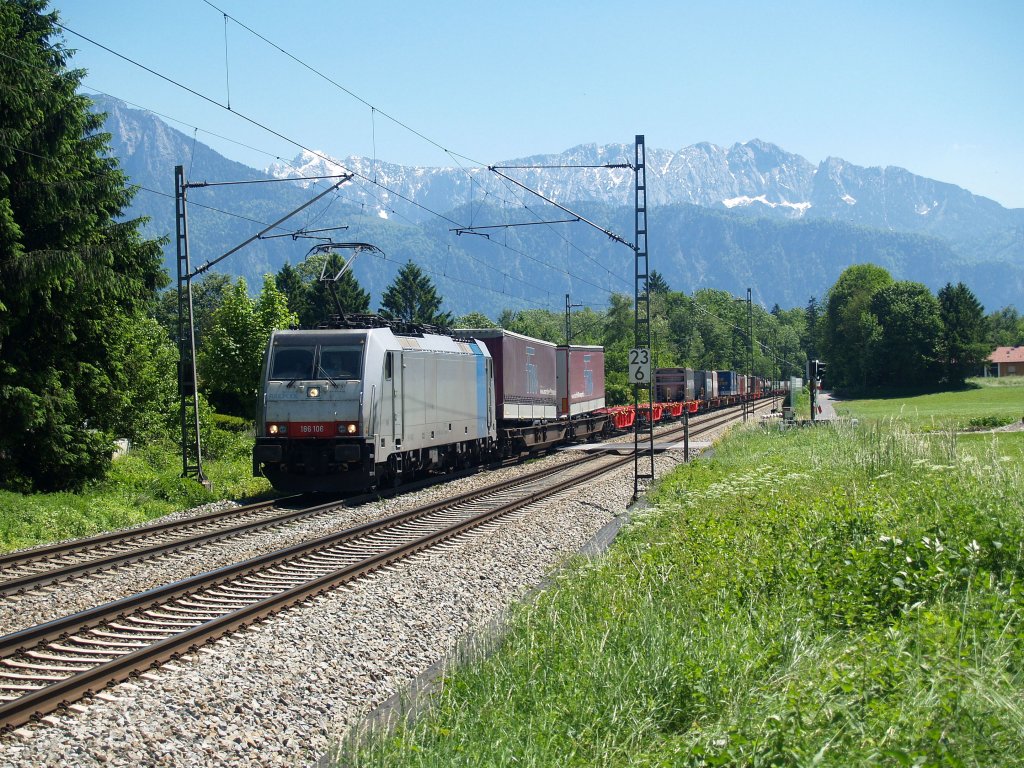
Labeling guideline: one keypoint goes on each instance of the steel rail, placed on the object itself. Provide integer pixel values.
(39, 701)
(82, 547)
(27, 556)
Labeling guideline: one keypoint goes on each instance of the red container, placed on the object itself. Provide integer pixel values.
(651, 413)
(622, 416)
(525, 387)
(580, 379)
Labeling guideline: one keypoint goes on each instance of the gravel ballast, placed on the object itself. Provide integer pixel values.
(279, 692)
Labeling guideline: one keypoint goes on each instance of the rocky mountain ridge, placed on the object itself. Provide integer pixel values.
(720, 217)
(754, 178)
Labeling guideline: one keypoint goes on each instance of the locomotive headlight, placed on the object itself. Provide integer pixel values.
(313, 392)
(352, 429)
(277, 429)
(347, 428)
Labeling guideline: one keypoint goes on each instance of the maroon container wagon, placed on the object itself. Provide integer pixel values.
(525, 388)
(580, 380)
(673, 385)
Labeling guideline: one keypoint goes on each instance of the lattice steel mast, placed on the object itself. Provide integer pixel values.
(642, 315)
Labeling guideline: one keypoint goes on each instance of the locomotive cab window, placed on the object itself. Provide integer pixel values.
(341, 362)
(291, 363)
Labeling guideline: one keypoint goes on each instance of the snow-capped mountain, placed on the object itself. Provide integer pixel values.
(747, 215)
(753, 178)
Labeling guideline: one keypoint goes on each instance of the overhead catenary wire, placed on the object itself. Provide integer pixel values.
(374, 110)
(297, 143)
(294, 233)
(274, 132)
(391, 210)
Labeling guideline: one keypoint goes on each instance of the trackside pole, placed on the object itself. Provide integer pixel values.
(686, 435)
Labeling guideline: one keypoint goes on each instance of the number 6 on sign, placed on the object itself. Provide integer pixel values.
(640, 365)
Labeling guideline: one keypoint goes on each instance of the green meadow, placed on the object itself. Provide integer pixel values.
(985, 403)
(838, 595)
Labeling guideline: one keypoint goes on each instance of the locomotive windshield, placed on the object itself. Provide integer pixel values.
(316, 361)
(291, 363)
(340, 362)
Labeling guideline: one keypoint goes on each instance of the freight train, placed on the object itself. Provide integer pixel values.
(369, 402)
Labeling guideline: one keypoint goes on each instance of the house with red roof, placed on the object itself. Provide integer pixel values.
(1009, 361)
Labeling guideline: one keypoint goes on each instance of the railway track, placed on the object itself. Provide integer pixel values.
(55, 663)
(41, 566)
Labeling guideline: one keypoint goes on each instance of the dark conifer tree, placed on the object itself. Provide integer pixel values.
(657, 283)
(313, 299)
(962, 347)
(329, 296)
(68, 267)
(291, 282)
(413, 298)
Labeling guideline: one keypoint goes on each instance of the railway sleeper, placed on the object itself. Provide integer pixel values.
(79, 651)
(24, 676)
(46, 667)
(129, 641)
(23, 688)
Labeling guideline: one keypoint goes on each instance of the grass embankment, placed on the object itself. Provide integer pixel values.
(143, 485)
(834, 596)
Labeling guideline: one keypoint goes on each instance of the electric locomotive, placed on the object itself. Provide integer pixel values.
(349, 408)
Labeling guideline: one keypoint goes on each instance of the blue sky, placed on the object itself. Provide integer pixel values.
(934, 87)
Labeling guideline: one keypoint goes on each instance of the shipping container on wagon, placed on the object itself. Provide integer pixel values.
(728, 383)
(525, 384)
(702, 385)
(673, 385)
(579, 374)
(713, 388)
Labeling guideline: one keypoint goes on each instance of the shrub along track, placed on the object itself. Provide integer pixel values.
(52, 664)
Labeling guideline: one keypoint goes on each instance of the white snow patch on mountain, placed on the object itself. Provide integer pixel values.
(744, 200)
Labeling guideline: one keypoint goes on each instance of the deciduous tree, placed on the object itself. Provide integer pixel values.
(908, 318)
(475, 320)
(849, 330)
(229, 363)
(1005, 328)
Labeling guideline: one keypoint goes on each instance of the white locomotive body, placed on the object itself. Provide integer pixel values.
(349, 409)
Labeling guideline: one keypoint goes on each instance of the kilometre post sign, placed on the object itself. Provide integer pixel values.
(640, 365)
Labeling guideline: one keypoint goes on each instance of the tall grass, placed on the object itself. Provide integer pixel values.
(814, 597)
